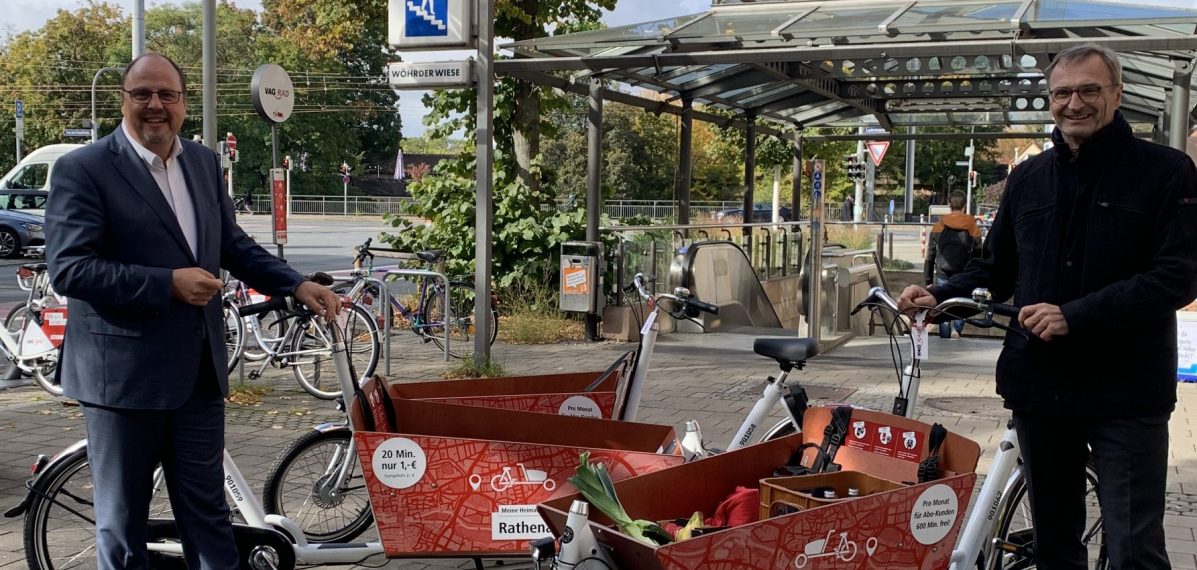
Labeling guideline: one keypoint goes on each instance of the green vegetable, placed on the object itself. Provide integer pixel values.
(596, 486)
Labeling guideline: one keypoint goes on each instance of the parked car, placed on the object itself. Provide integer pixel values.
(28, 201)
(21, 233)
(760, 213)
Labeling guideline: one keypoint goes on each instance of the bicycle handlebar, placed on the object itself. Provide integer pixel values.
(688, 305)
(281, 303)
(980, 302)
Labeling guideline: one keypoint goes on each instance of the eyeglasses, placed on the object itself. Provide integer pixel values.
(143, 96)
(1088, 93)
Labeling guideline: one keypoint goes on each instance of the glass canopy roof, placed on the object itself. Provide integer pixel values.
(894, 63)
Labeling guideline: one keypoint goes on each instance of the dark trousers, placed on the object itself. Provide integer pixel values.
(124, 447)
(1130, 456)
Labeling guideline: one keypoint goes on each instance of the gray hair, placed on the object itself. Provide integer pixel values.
(1079, 53)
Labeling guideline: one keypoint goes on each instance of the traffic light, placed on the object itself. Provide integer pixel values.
(344, 168)
(854, 167)
(287, 162)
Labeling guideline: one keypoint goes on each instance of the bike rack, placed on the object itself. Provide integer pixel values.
(390, 311)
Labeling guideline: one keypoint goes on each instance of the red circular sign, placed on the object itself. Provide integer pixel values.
(231, 141)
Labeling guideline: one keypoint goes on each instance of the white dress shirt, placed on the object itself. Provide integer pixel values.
(169, 176)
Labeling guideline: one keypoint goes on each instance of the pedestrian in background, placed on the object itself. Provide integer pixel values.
(138, 225)
(1096, 239)
(955, 240)
(848, 214)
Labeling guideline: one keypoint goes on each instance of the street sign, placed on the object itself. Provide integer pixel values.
(963, 163)
(278, 199)
(425, 75)
(82, 133)
(272, 93)
(231, 141)
(421, 24)
(20, 119)
(877, 150)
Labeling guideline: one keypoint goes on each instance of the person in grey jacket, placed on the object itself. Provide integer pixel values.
(1096, 239)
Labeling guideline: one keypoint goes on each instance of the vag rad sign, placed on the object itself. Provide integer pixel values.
(273, 94)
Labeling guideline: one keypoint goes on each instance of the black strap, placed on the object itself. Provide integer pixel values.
(794, 465)
(610, 370)
(797, 402)
(833, 438)
(929, 469)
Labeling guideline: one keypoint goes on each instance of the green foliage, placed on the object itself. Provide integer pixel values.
(330, 47)
(527, 238)
(897, 265)
(531, 316)
(470, 367)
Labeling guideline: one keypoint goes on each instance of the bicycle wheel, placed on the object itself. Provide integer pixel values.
(234, 334)
(59, 529)
(312, 347)
(461, 328)
(15, 323)
(298, 486)
(272, 327)
(1016, 528)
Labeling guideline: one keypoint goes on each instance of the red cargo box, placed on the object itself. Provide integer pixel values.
(563, 394)
(914, 526)
(462, 481)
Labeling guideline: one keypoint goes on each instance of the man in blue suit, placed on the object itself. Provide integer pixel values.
(137, 228)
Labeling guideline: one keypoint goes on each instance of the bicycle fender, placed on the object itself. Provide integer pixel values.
(339, 425)
(43, 466)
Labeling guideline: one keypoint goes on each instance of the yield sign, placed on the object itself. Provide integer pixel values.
(877, 150)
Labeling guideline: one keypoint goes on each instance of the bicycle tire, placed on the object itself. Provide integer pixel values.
(70, 544)
(1015, 526)
(316, 372)
(294, 488)
(461, 331)
(234, 334)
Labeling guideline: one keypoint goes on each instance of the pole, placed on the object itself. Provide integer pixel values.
(858, 198)
(909, 196)
(1178, 115)
(209, 74)
(814, 309)
(685, 145)
(484, 203)
(968, 197)
(95, 129)
(274, 162)
(594, 167)
(138, 27)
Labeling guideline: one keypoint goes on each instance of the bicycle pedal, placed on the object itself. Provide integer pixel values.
(254, 375)
(426, 339)
(1008, 547)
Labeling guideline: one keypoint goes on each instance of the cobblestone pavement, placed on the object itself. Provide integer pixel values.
(714, 378)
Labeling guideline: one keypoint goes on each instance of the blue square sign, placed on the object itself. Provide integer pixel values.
(426, 18)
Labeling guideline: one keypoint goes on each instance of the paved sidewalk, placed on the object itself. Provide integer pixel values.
(714, 378)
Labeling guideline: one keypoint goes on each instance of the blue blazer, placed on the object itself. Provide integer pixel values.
(112, 242)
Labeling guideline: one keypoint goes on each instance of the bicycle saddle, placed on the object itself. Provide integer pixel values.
(431, 255)
(786, 349)
(34, 266)
(320, 278)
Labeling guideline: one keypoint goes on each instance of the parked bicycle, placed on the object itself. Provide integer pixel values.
(244, 204)
(428, 317)
(59, 528)
(36, 328)
(292, 339)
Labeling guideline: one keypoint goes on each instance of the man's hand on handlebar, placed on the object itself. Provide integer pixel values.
(1043, 320)
(321, 300)
(915, 297)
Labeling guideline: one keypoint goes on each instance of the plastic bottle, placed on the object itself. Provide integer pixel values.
(692, 447)
(853, 492)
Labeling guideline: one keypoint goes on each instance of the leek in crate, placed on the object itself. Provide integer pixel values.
(594, 483)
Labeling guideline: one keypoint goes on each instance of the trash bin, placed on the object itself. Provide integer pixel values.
(581, 277)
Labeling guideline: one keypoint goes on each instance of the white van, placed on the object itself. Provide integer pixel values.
(36, 169)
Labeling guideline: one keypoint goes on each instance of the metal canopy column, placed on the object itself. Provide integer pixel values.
(684, 145)
(749, 176)
(908, 209)
(484, 169)
(796, 190)
(1178, 112)
(594, 168)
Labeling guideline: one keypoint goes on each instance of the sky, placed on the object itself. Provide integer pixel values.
(22, 15)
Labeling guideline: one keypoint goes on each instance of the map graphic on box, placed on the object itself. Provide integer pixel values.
(426, 18)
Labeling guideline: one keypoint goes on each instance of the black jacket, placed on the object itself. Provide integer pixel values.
(1110, 235)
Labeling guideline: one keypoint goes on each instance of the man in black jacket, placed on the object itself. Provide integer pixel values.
(1096, 239)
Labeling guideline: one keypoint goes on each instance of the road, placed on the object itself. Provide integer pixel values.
(316, 243)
